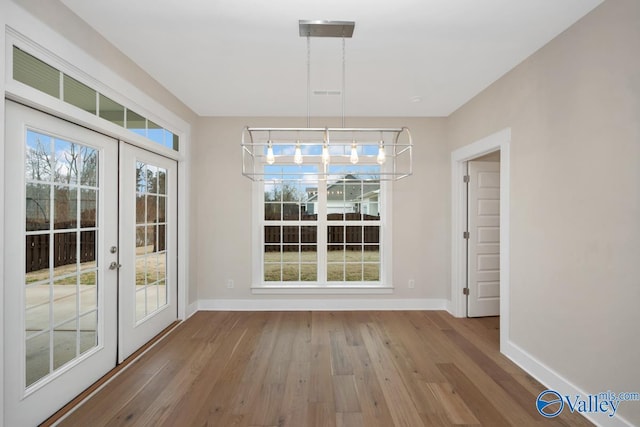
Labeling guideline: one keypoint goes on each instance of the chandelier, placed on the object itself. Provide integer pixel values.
(390, 148)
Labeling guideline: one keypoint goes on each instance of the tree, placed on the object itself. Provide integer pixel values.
(38, 162)
(285, 192)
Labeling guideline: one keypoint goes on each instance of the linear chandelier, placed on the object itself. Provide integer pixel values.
(390, 148)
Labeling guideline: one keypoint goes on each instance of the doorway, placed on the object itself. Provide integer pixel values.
(498, 141)
(65, 262)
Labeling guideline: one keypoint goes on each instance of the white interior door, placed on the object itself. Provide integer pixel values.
(148, 247)
(483, 268)
(60, 294)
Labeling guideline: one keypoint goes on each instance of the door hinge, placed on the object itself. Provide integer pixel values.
(465, 291)
(466, 178)
(465, 235)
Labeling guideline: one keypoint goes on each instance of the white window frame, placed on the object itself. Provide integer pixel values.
(322, 286)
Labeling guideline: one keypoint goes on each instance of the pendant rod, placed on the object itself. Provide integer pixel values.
(308, 81)
(344, 67)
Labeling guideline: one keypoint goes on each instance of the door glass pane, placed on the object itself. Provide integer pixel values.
(38, 357)
(65, 298)
(89, 166)
(37, 257)
(162, 181)
(151, 266)
(65, 206)
(88, 331)
(67, 157)
(37, 315)
(61, 212)
(88, 211)
(88, 251)
(162, 209)
(162, 293)
(38, 200)
(88, 292)
(65, 339)
(65, 255)
(38, 165)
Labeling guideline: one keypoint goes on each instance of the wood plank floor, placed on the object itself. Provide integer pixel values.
(335, 369)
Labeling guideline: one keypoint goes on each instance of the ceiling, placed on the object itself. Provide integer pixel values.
(406, 58)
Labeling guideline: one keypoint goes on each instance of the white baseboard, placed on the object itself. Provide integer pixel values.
(191, 309)
(320, 304)
(553, 381)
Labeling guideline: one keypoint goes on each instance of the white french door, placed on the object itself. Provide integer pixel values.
(60, 292)
(148, 246)
(90, 258)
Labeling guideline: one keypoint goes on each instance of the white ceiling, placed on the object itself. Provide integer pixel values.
(246, 58)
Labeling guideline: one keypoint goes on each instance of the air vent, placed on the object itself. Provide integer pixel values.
(327, 92)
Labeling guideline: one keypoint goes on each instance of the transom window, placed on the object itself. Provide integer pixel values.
(39, 75)
(328, 232)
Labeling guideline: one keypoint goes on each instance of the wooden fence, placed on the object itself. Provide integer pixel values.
(65, 249)
(286, 238)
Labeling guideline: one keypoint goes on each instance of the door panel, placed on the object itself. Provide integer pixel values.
(484, 239)
(60, 295)
(148, 245)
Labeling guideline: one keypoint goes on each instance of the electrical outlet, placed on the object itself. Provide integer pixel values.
(412, 283)
(229, 283)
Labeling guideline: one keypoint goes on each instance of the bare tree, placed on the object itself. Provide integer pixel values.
(38, 162)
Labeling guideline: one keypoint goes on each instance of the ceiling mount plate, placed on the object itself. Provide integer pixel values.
(326, 28)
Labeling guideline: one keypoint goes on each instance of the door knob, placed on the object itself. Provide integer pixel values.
(114, 266)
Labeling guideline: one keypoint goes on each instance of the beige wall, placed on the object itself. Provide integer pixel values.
(69, 25)
(222, 202)
(574, 111)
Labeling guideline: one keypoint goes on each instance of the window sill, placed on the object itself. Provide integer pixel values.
(321, 290)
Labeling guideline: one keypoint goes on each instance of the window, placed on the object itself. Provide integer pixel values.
(321, 232)
(39, 75)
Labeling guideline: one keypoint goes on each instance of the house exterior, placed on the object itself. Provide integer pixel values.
(348, 195)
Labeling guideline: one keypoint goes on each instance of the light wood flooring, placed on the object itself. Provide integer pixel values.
(342, 369)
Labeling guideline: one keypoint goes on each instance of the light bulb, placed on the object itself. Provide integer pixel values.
(270, 157)
(354, 154)
(325, 154)
(297, 156)
(382, 157)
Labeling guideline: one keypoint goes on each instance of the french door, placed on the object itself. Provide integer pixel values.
(61, 210)
(81, 291)
(148, 243)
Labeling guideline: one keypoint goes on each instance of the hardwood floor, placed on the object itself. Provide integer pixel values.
(342, 369)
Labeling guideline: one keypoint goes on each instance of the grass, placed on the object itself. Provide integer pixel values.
(349, 266)
(67, 274)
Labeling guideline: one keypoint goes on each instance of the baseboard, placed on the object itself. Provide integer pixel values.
(191, 309)
(321, 304)
(553, 381)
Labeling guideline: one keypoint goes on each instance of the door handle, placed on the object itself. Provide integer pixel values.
(114, 266)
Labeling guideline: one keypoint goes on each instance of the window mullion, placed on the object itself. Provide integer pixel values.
(322, 232)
